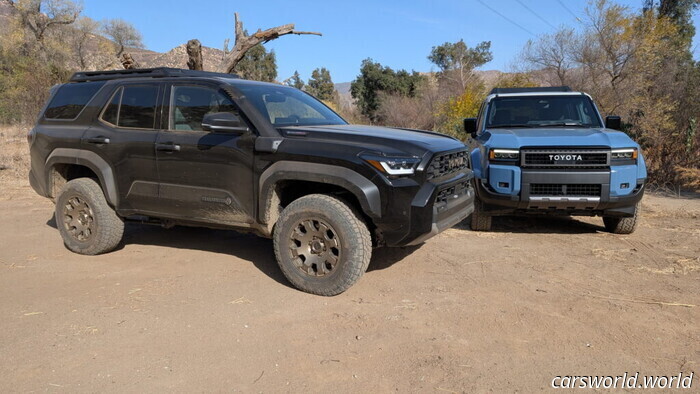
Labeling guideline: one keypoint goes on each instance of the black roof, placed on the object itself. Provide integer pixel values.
(159, 72)
(531, 90)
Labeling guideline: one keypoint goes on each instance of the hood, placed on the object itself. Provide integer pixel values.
(559, 136)
(383, 139)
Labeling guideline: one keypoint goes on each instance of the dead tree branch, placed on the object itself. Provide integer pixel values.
(129, 62)
(245, 42)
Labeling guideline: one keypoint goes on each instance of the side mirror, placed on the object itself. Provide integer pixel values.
(470, 126)
(613, 122)
(223, 122)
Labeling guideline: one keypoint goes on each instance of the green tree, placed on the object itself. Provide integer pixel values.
(123, 33)
(457, 61)
(679, 12)
(375, 79)
(295, 81)
(258, 64)
(35, 53)
(321, 85)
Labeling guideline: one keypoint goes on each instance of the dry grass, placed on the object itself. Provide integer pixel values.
(689, 178)
(681, 266)
(14, 153)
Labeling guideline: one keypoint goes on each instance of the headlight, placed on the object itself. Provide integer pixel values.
(623, 154)
(393, 165)
(504, 154)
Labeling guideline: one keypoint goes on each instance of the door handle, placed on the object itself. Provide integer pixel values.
(169, 147)
(97, 140)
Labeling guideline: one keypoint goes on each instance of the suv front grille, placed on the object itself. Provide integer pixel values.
(558, 189)
(447, 164)
(446, 194)
(563, 158)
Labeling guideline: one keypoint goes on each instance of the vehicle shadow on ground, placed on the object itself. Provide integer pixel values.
(383, 258)
(538, 225)
(248, 247)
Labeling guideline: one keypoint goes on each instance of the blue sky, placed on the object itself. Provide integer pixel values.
(395, 33)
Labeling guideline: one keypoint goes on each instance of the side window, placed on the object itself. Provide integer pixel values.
(70, 99)
(133, 107)
(111, 114)
(138, 107)
(189, 104)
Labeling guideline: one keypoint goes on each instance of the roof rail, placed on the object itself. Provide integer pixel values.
(158, 72)
(531, 90)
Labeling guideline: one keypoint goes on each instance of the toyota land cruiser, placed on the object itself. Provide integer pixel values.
(547, 150)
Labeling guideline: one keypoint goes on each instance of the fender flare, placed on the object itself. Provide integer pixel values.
(362, 188)
(90, 160)
(475, 160)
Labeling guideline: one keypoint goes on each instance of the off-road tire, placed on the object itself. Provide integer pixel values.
(105, 227)
(481, 221)
(617, 225)
(351, 238)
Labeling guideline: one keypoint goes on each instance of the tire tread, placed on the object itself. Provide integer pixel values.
(361, 247)
(480, 220)
(110, 226)
(623, 225)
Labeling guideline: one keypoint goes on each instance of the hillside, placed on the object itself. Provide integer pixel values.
(176, 57)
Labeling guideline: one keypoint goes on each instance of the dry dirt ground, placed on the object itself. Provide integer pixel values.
(194, 310)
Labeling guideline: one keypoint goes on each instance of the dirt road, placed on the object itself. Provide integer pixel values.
(192, 310)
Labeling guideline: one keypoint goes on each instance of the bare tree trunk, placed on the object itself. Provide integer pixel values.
(245, 42)
(38, 21)
(81, 54)
(194, 52)
(128, 62)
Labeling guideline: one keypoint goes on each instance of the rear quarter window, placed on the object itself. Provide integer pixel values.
(70, 99)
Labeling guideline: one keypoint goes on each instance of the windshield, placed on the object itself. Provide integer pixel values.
(284, 106)
(542, 111)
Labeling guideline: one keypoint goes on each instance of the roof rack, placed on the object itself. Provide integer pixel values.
(531, 90)
(158, 72)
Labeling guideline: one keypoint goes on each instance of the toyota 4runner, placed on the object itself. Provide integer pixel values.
(180, 147)
(547, 150)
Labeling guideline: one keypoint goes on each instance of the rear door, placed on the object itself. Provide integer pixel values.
(125, 137)
(204, 176)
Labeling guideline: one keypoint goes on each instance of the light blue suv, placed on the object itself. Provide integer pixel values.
(548, 151)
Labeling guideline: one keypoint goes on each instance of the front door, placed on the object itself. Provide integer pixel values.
(204, 175)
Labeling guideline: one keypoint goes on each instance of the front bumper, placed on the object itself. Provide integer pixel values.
(433, 209)
(607, 203)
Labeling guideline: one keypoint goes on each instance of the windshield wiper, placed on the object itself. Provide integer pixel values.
(563, 124)
(510, 126)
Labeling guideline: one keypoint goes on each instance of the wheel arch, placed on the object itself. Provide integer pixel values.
(476, 163)
(64, 164)
(323, 177)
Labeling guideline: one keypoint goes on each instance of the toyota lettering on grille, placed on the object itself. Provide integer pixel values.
(455, 162)
(565, 157)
